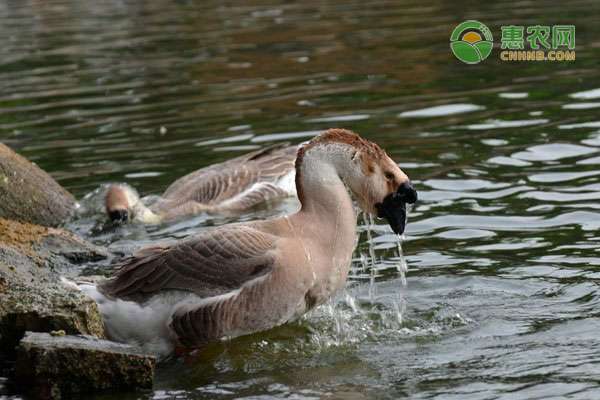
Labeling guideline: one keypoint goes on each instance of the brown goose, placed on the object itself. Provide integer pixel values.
(242, 278)
(232, 186)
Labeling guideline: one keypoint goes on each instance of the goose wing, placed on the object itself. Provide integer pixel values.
(208, 264)
(256, 194)
(270, 151)
(216, 183)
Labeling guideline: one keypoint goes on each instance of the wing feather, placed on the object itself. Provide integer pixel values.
(209, 264)
(215, 184)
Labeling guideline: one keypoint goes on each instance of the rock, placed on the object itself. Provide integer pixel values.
(61, 243)
(32, 295)
(28, 194)
(49, 246)
(62, 366)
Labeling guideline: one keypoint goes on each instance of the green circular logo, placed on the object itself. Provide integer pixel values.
(471, 42)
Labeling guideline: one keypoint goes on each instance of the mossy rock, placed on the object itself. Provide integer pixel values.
(28, 194)
(32, 295)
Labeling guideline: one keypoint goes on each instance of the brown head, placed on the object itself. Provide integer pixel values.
(119, 202)
(380, 187)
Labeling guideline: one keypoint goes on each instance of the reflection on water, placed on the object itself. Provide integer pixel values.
(501, 249)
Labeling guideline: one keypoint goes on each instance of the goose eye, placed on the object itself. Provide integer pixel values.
(389, 176)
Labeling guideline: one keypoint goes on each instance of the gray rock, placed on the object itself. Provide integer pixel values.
(28, 194)
(62, 366)
(32, 295)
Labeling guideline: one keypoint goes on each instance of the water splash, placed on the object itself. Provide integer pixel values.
(401, 266)
(340, 323)
(399, 307)
(369, 223)
(350, 301)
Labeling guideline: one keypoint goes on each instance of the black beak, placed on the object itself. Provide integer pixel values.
(393, 207)
(118, 215)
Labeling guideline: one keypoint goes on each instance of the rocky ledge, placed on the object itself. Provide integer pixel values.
(54, 367)
(32, 295)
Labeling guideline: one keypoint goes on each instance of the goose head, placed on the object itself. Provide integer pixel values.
(376, 182)
(381, 187)
(120, 202)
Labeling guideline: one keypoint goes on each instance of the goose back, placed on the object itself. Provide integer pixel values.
(236, 184)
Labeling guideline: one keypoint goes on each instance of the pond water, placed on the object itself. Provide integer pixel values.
(502, 298)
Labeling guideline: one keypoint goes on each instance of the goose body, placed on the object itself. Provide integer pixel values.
(242, 278)
(229, 187)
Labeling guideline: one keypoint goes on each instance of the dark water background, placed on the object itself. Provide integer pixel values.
(503, 248)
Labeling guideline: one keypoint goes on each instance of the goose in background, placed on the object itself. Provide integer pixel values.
(233, 186)
(247, 277)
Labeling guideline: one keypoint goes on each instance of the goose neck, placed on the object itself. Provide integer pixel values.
(320, 174)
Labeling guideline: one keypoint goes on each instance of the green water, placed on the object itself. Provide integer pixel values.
(502, 248)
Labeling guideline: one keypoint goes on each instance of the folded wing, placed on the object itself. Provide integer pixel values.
(209, 264)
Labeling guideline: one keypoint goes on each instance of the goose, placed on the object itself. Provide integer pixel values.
(243, 278)
(229, 187)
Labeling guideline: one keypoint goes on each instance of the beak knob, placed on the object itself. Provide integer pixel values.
(406, 193)
(393, 207)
